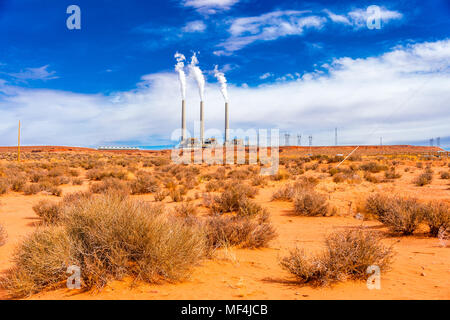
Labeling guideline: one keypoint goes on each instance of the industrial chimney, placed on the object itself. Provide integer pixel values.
(183, 121)
(202, 124)
(227, 124)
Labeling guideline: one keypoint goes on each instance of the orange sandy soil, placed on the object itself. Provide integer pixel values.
(421, 269)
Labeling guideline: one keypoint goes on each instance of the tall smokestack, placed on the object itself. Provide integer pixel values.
(183, 121)
(202, 123)
(227, 124)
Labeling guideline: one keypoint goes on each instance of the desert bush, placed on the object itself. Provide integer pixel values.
(108, 237)
(372, 167)
(31, 189)
(444, 175)
(176, 195)
(3, 235)
(4, 186)
(245, 232)
(308, 202)
(17, 183)
(77, 181)
(186, 209)
(49, 211)
(436, 215)
(347, 255)
(371, 178)
(391, 174)
(40, 262)
(144, 183)
(423, 179)
(160, 195)
(110, 185)
(233, 198)
(213, 185)
(259, 181)
(402, 215)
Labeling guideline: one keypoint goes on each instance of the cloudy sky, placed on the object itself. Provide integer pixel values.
(302, 67)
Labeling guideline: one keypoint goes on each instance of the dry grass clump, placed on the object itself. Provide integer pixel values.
(245, 232)
(4, 186)
(186, 209)
(110, 185)
(372, 167)
(3, 235)
(40, 262)
(144, 183)
(289, 191)
(49, 211)
(236, 198)
(347, 255)
(108, 237)
(402, 215)
(445, 175)
(423, 179)
(308, 202)
(371, 178)
(437, 216)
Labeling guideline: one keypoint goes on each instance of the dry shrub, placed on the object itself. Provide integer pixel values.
(289, 192)
(308, 202)
(392, 174)
(213, 185)
(49, 211)
(347, 255)
(77, 181)
(176, 195)
(245, 232)
(108, 237)
(372, 167)
(40, 262)
(437, 215)
(371, 178)
(17, 183)
(110, 185)
(144, 183)
(31, 189)
(259, 181)
(4, 186)
(402, 215)
(186, 210)
(160, 195)
(235, 198)
(445, 175)
(3, 235)
(423, 179)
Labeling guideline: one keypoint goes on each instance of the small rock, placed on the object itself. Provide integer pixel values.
(423, 274)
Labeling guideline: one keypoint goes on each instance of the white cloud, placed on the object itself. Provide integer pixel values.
(35, 74)
(195, 26)
(210, 6)
(401, 95)
(266, 75)
(269, 26)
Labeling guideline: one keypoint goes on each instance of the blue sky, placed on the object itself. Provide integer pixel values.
(303, 67)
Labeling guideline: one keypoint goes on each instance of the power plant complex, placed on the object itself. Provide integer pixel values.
(198, 76)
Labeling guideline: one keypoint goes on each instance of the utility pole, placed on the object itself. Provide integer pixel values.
(18, 144)
(299, 139)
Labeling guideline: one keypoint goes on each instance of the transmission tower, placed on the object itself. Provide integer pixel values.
(287, 137)
(431, 142)
(299, 139)
(335, 137)
(438, 141)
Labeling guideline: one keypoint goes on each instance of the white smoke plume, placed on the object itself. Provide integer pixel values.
(179, 67)
(198, 76)
(223, 82)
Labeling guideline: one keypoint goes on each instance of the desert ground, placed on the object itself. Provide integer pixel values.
(250, 269)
